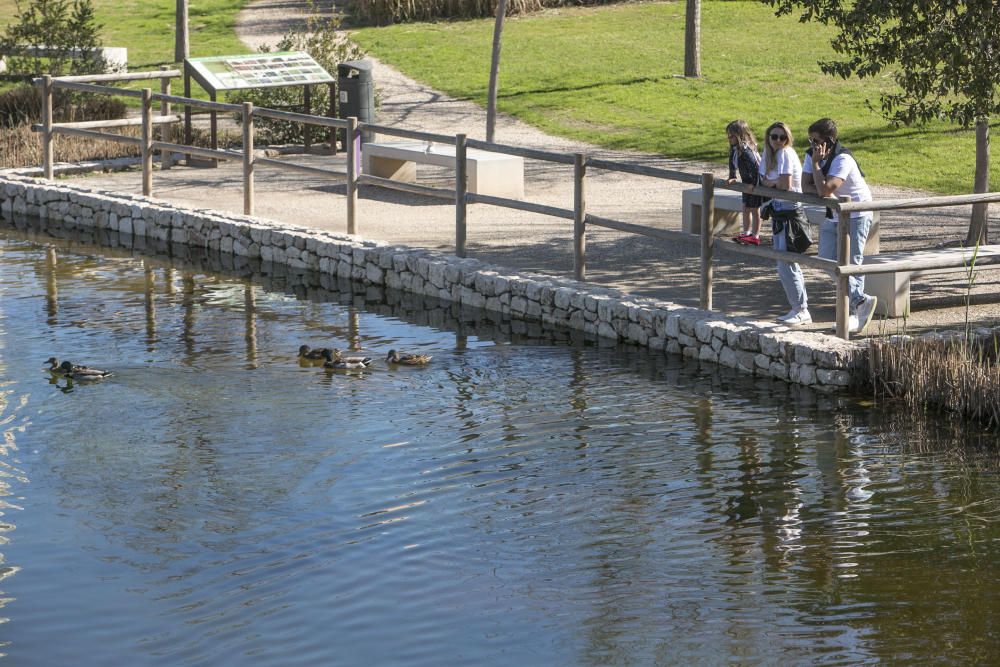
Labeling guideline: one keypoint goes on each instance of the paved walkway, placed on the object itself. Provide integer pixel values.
(540, 243)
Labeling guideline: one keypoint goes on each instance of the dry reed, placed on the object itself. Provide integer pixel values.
(381, 12)
(20, 147)
(957, 375)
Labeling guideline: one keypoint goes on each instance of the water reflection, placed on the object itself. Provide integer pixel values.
(532, 496)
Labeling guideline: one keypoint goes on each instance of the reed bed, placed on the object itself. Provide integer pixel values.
(20, 147)
(958, 375)
(383, 12)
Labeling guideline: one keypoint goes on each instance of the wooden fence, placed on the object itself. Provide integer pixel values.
(841, 269)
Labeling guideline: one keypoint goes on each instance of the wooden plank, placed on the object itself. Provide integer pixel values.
(300, 118)
(528, 206)
(91, 88)
(408, 134)
(671, 235)
(293, 166)
(94, 134)
(921, 202)
(201, 104)
(131, 76)
(438, 193)
(960, 259)
(519, 151)
(643, 170)
(218, 154)
(119, 122)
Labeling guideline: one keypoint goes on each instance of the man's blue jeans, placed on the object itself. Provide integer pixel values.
(860, 226)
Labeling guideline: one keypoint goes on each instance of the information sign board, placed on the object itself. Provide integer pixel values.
(261, 70)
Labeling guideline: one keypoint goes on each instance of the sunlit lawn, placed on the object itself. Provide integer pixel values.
(609, 76)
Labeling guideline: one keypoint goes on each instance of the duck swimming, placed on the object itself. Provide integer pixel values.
(306, 352)
(82, 373)
(65, 367)
(335, 360)
(407, 359)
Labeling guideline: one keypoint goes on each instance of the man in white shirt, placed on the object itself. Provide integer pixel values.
(830, 170)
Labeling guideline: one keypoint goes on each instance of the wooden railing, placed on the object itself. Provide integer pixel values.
(841, 269)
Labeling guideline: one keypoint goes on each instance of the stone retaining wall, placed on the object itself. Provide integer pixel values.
(758, 348)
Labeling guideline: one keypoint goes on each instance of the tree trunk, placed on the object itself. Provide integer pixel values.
(692, 40)
(978, 225)
(182, 48)
(491, 102)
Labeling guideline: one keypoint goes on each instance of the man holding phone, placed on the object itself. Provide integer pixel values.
(830, 170)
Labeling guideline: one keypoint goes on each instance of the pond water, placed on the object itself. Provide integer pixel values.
(528, 498)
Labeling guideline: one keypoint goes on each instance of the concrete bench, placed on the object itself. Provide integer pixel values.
(488, 173)
(893, 288)
(728, 219)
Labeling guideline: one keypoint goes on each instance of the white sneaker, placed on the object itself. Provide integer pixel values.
(865, 312)
(852, 324)
(787, 316)
(800, 318)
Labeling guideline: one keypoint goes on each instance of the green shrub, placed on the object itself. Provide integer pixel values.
(64, 30)
(328, 47)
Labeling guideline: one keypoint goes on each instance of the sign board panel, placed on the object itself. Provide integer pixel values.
(261, 70)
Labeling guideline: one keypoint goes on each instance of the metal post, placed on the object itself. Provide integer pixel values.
(461, 204)
(46, 92)
(707, 237)
(248, 159)
(579, 217)
(843, 284)
(307, 129)
(166, 129)
(352, 174)
(147, 142)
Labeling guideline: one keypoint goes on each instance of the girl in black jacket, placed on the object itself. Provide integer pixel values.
(744, 159)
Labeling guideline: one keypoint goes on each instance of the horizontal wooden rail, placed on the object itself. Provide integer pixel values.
(413, 188)
(300, 118)
(201, 104)
(530, 207)
(94, 134)
(803, 198)
(118, 122)
(813, 261)
(295, 166)
(520, 151)
(671, 235)
(210, 153)
(408, 134)
(643, 170)
(93, 88)
(130, 76)
(921, 202)
(925, 264)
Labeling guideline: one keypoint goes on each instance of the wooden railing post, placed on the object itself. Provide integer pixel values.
(707, 238)
(352, 174)
(843, 282)
(147, 142)
(166, 129)
(46, 93)
(248, 159)
(307, 128)
(579, 217)
(461, 184)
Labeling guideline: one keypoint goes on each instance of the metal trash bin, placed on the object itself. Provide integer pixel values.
(356, 93)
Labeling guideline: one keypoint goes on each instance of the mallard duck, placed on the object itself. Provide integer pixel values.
(407, 359)
(61, 369)
(306, 352)
(82, 373)
(335, 360)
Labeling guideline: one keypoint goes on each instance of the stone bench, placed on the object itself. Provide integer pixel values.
(488, 173)
(728, 220)
(893, 287)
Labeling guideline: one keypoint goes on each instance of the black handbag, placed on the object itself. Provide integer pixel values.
(795, 226)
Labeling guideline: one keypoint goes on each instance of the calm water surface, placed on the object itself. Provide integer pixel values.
(534, 502)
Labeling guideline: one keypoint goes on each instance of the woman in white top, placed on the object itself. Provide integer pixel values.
(782, 169)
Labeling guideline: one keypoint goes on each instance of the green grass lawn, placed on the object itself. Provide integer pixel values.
(609, 76)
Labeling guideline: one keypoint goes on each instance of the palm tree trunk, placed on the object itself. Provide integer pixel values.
(491, 103)
(978, 225)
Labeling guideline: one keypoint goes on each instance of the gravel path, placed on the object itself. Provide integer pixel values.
(540, 243)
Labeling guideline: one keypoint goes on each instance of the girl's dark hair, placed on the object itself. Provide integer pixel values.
(741, 130)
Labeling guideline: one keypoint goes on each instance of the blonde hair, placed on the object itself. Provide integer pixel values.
(741, 130)
(770, 158)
